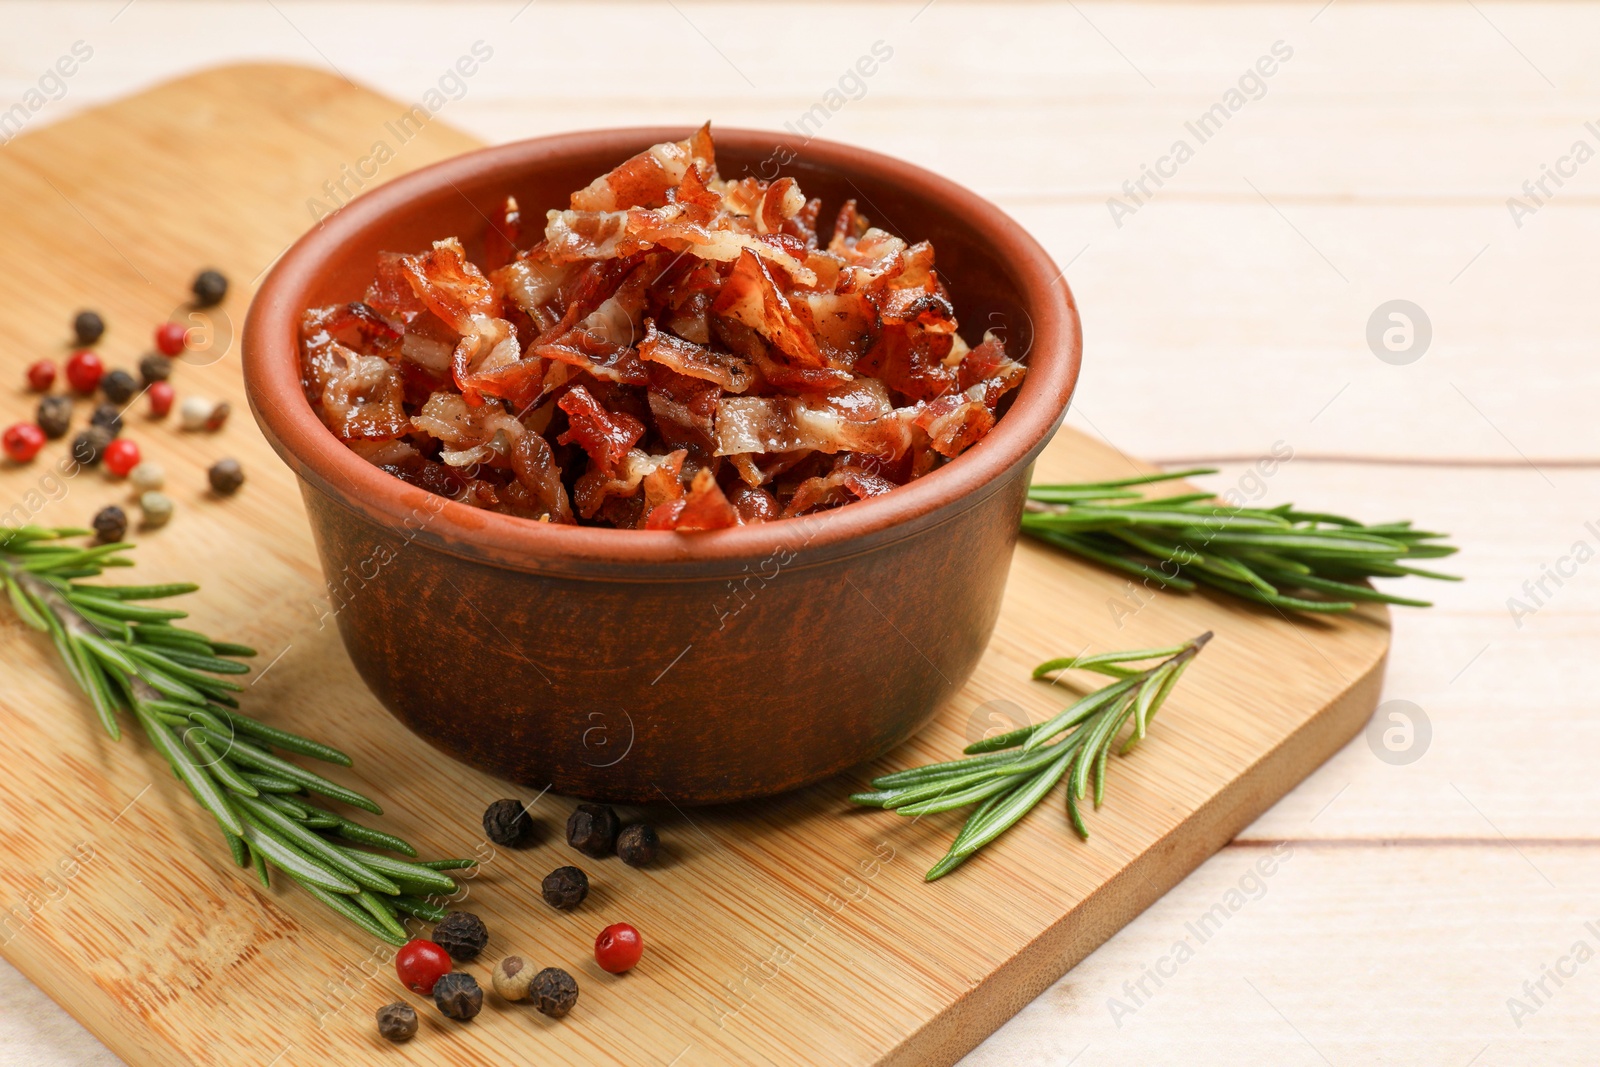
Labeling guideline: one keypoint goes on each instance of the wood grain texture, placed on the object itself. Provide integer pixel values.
(791, 931)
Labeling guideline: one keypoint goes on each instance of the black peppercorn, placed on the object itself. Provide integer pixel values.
(638, 844)
(155, 368)
(88, 327)
(397, 1021)
(110, 523)
(119, 386)
(458, 995)
(226, 476)
(565, 888)
(209, 288)
(90, 445)
(507, 823)
(108, 417)
(592, 830)
(54, 416)
(462, 934)
(554, 992)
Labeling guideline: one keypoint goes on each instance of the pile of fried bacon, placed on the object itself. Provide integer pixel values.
(680, 352)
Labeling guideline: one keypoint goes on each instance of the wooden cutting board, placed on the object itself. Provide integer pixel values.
(794, 931)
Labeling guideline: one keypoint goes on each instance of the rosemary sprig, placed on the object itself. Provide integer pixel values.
(1259, 554)
(128, 657)
(1006, 776)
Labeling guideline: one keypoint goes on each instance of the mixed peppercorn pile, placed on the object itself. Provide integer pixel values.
(679, 351)
(100, 443)
(427, 966)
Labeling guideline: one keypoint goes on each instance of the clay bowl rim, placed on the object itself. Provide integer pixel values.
(272, 381)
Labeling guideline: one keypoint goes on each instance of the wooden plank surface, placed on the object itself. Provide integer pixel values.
(1402, 126)
(781, 931)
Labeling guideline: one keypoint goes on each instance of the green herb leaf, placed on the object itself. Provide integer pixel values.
(1006, 785)
(1301, 561)
(123, 655)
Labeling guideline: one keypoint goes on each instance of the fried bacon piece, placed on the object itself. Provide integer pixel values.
(684, 410)
(846, 482)
(599, 486)
(360, 397)
(643, 181)
(989, 366)
(796, 424)
(705, 507)
(753, 504)
(676, 351)
(470, 433)
(604, 435)
(955, 423)
(726, 369)
(750, 296)
(450, 285)
(537, 472)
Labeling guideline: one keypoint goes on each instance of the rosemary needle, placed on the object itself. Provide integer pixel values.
(1006, 776)
(1295, 560)
(127, 656)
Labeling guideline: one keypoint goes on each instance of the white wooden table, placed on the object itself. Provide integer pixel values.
(1226, 310)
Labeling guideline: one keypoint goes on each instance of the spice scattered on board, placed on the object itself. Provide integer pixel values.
(90, 445)
(119, 386)
(638, 844)
(108, 417)
(511, 978)
(162, 394)
(458, 995)
(155, 367)
(420, 963)
(122, 455)
(54, 416)
(462, 934)
(209, 288)
(87, 327)
(84, 369)
(225, 476)
(565, 888)
(100, 443)
(506, 822)
(110, 523)
(23, 441)
(618, 948)
(592, 829)
(397, 1021)
(155, 510)
(147, 476)
(41, 375)
(554, 992)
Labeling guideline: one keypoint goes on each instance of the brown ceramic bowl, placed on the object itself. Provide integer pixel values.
(639, 666)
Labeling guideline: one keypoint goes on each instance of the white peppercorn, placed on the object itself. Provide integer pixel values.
(511, 977)
(155, 509)
(147, 476)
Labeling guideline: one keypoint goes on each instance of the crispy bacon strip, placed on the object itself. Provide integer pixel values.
(537, 472)
(706, 507)
(643, 180)
(726, 369)
(845, 483)
(450, 285)
(606, 436)
(360, 397)
(750, 296)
